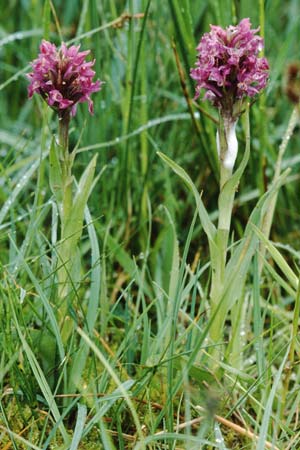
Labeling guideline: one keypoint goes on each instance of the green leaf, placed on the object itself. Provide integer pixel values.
(55, 172)
(44, 301)
(268, 409)
(171, 257)
(278, 258)
(80, 357)
(238, 265)
(46, 20)
(40, 378)
(127, 263)
(206, 223)
(74, 223)
(81, 418)
(107, 401)
(196, 372)
(114, 376)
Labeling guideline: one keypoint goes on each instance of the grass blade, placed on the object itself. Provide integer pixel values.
(81, 418)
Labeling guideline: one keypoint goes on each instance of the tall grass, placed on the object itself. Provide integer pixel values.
(138, 370)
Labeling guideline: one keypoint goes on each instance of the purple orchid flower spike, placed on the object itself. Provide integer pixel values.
(229, 69)
(228, 66)
(63, 77)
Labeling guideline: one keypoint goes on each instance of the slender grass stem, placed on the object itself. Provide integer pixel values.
(269, 215)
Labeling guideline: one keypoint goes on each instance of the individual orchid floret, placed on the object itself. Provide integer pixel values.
(63, 77)
(228, 67)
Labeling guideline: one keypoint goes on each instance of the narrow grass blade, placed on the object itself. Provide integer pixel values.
(257, 321)
(46, 20)
(20, 439)
(126, 262)
(105, 437)
(45, 302)
(40, 378)
(219, 437)
(81, 418)
(21, 183)
(55, 171)
(278, 258)
(207, 224)
(180, 11)
(105, 403)
(174, 437)
(239, 263)
(93, 303)
(268, 409)
(116, 379)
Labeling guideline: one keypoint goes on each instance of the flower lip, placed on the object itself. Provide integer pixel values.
(228, 65)
(63, 77)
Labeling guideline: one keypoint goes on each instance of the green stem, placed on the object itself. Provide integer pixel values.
(64, 208)
(225, 204)
(63, 136)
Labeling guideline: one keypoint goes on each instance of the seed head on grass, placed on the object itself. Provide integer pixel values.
(228, 66)
(63, 77)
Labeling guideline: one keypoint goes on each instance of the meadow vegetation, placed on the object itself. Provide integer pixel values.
(137, 365)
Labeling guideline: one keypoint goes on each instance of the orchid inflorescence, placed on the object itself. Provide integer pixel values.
(63, 77)
(228, 66)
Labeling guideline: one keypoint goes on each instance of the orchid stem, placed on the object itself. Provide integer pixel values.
(227, 148)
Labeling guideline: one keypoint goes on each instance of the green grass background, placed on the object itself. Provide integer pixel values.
(137, 364)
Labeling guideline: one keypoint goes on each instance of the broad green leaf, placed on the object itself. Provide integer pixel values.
(93, 303)
(79, 360)
(74, 222)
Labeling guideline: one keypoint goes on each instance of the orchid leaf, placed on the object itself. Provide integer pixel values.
(238, 265)
(74, 223)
